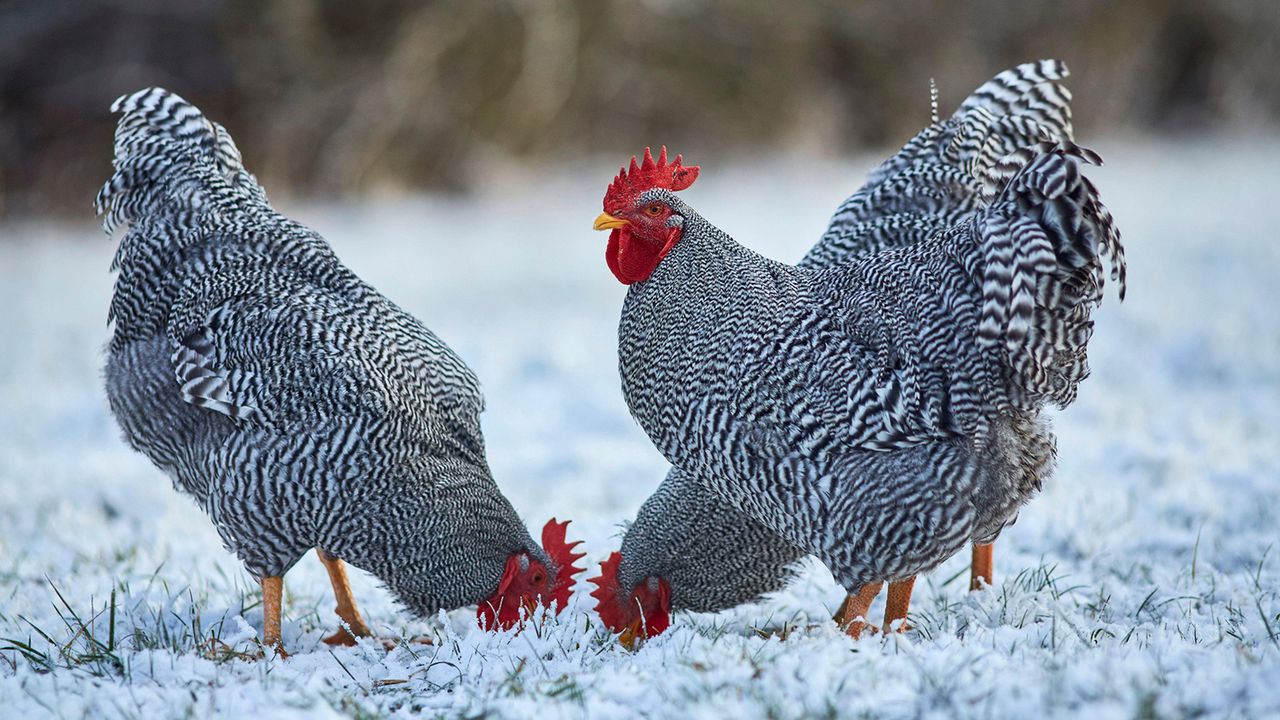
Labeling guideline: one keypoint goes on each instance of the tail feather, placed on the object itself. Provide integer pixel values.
(1041, 240)
(936, 176)
(1031, 90)
(178, 183)
(162, 139)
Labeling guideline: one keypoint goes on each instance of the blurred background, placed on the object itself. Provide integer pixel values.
(332, 98)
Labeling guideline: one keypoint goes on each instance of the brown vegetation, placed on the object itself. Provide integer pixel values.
(341, 97)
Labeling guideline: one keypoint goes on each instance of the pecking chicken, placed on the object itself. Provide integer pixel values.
(687, 550)
(298, 406)
(879, 405)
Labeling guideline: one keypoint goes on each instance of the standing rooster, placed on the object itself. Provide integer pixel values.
(882, 413)
(684, 535)
(298, 406)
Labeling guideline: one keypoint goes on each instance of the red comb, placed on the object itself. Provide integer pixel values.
(608, 606)
(647, 175)
(562, 554)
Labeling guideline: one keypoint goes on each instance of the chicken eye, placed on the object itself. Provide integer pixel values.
(653, 210)
(537, 578)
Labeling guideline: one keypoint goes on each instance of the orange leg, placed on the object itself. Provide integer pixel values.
(347, 612)
(852, 615)
(630, 636)
(981, 569)
(272, 589)
(896, 605)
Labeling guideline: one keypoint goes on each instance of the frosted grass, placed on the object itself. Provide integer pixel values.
(1144, 581)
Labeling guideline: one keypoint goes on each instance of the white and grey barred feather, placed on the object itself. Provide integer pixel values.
(936, 178)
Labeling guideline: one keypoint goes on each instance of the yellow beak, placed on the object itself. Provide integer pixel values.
(605, 221)
(631, 636)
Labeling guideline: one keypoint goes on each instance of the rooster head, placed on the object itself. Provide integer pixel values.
(642, 613)
(526, 581)
(642, 226)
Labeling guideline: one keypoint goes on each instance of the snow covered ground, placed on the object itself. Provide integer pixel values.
(1144, 582)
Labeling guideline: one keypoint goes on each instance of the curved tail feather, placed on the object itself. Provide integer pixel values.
(935, 179)
(178, 183)
(162, 141)
(1041, 242)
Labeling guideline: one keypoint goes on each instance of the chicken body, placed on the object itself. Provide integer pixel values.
(710, 555)
(298, 406)
(931, 184)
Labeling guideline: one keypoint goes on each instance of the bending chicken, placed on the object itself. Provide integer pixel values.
(298, 406)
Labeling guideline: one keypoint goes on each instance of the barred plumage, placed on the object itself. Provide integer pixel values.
(712, 557)
(878, 405)
(295, 403)
(936, 178)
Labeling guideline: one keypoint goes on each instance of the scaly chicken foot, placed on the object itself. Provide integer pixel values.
(353, 625)
(896, 604)
(852, 615)
(272, 589)
(981, 569)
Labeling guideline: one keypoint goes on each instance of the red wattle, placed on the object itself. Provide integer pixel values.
(632, 259)
(493, 613)
(611, 255)
(661, 619)
(617, 614)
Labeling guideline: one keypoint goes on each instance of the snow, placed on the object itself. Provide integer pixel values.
(1144, 582)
